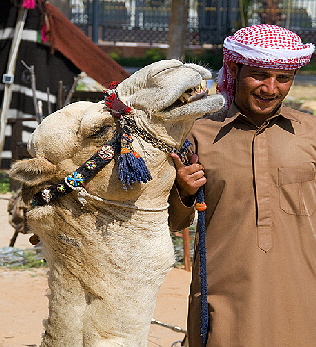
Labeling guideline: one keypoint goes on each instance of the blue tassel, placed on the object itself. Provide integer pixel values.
(132, 169)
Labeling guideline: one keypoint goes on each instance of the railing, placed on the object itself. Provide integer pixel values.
(148, 20)
(209, 21)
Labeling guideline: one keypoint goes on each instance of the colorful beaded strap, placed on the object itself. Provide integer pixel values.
(79, 177)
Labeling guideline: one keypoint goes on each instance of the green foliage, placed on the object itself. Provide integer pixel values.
(178, 245)
(152, 55)
(15, 258)
(81, 87)
(209, 58)
(4, 182)
(32, 260)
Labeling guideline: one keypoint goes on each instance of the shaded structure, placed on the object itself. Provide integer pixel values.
(58, 51)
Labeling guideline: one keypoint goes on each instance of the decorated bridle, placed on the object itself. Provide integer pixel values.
(131, 166)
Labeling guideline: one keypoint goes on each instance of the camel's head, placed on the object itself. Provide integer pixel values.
(167, 96)
(170, 90)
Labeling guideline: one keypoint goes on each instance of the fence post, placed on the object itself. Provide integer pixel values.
(186, 249)
(95, 21)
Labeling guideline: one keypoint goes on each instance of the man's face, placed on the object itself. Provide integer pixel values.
(259, 91)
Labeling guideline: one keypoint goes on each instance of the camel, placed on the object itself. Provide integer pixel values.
(107, 243)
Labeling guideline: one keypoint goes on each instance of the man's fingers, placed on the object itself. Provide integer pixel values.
(191, 169)
(177, 161)
(189, 184)
(196, 174)
(194, 168)
(198, 182)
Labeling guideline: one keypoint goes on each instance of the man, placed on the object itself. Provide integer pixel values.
(257, 165)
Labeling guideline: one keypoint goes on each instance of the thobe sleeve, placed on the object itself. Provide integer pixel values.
(180, 215)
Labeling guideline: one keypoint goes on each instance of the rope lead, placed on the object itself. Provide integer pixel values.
(201, 207)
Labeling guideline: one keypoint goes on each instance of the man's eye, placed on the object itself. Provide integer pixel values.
(284, 79)
(259, 75)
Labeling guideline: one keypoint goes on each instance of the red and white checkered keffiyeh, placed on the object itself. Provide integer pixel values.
(263, 45)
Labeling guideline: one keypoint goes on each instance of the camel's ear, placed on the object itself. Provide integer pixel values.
(33, 171)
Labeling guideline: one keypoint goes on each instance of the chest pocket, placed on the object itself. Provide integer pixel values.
(297, 191)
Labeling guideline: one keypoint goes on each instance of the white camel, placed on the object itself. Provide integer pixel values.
(108, 247)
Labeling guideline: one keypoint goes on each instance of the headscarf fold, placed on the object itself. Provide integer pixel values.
(265, 46)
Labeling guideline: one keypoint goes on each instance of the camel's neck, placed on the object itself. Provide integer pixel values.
(172, 134)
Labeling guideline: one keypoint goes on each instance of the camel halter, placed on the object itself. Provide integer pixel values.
(131, 166)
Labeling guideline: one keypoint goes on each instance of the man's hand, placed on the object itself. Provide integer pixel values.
(189, 178)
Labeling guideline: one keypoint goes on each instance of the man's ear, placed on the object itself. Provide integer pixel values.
(233, 68)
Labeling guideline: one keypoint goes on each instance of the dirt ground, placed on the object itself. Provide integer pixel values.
(303, 90)
(23, 301)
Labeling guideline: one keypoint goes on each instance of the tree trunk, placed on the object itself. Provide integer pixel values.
(177, 29)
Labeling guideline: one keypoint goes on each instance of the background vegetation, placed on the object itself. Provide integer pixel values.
(4, 182)
(210, 58)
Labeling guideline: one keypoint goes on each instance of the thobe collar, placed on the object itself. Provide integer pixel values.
(283, 111)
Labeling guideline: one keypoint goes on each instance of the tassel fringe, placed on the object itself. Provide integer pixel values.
(131, 166)
(132, 169)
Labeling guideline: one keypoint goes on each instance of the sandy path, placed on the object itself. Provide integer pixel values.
(23, 304)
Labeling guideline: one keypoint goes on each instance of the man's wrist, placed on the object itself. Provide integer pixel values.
(187, 200)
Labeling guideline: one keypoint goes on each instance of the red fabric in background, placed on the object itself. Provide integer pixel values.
(67, 38)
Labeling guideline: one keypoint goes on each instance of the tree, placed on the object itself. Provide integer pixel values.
(244, 9)
(178, 29)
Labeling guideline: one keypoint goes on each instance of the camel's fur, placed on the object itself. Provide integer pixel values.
(108, 258)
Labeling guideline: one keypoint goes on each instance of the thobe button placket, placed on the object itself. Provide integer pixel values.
(262, 190)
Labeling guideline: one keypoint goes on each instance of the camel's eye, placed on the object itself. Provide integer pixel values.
(99, 132)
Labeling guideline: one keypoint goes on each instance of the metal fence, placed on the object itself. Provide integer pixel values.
(148, 20)
(209, 22)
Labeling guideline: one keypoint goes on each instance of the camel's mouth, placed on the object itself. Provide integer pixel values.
(192, 94)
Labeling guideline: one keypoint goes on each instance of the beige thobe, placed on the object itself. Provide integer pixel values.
(261, 230)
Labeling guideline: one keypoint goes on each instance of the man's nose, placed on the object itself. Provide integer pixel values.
(270, 85)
